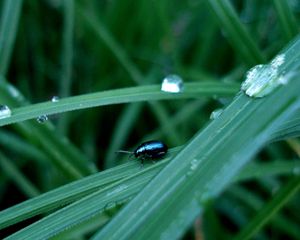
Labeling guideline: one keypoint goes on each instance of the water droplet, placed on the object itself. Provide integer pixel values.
(278, 61)
(55, 99)
(172, 83)
(263, 79)
(117, 190)
(42, 119)
(216, 113)
(194, 164)
(4, 111)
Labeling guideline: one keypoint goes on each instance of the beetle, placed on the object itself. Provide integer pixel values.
(153, 150)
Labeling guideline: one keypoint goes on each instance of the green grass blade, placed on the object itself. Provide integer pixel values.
(255, 203)
(121, 132)
(17, 145)
(169, 131)
(65, 194)
(289, 129)
(61, 152)
(133, 94)
(270, 209)
(180, 117)
(16, 176)
(80, 211)
(67, 57)
(76, 190)
(240, 39)
(261, 170)
(8, 30)
(104, 35)
(287, 19)
(197, 174)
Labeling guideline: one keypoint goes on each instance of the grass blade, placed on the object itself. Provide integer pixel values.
(60, 151)
(99, 201)
(196, 174)
(67, 58)
(237, 33)
(133, 94)
(270, 209)
(8, 31)
(64, 195)
(286, 18)
(16, 176)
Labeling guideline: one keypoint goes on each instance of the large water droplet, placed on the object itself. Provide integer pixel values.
(172, 83)
(55, 99)
(4, 111)
(263, 79)
(216, 113)
(42, 119)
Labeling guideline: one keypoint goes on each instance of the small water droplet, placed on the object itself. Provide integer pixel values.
(117, 190)
(172, 83)
(55, 99)
(216, 113)
(42, 119)
(194, 164)
(4, 111)
(263, 79)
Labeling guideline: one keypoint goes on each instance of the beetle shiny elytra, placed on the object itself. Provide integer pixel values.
(153, 150)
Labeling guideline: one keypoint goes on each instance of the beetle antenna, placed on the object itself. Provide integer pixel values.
(122, 151)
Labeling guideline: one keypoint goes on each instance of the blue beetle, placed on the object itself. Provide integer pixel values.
(153, 150)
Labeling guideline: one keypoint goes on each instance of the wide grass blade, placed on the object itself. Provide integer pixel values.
(205, 167)
(65, 194)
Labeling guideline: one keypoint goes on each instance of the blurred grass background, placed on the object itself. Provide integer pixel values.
(65, 48)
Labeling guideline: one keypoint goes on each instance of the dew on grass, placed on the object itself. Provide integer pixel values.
(4, 111)
(194, 164)
(263, 79)
(42, 118)
(55, 99)
(216, 113)
(172, 83)
(117, 190)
